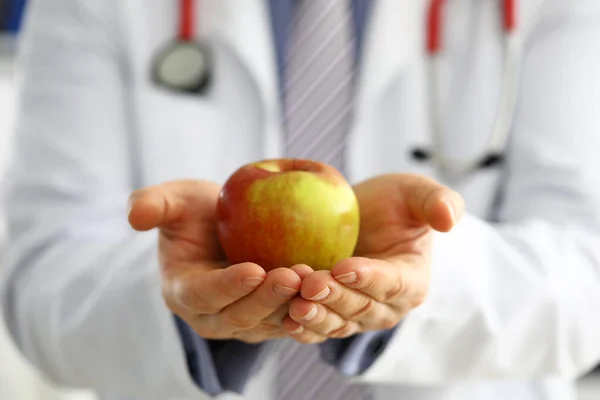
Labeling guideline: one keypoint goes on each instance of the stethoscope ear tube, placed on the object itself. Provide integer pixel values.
(493, 153)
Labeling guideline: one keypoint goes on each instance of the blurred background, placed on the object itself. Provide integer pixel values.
(18, 381)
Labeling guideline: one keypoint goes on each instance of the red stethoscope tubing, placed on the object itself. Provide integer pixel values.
(510, 15)
(187, 20)
(434, 22)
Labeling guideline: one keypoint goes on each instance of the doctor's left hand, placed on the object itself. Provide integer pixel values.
(389, 275)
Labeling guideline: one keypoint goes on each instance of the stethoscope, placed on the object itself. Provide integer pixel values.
(493, 153)
(185, 65)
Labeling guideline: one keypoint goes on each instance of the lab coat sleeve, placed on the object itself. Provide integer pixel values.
(519, 298)
(81, 291)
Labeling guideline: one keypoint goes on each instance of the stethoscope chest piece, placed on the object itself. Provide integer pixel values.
(184, 66)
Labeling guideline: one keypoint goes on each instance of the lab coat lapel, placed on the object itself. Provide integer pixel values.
(246, 27)
(391, 38)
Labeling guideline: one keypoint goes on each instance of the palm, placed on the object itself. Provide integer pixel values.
(391, 221)
(189, 235)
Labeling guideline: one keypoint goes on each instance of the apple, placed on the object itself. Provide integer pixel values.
(282, 212)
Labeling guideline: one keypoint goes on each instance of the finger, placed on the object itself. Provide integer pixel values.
(302, 270)
(320, 319)
(437, 205)
(426, 201)
(387, 281)
(301, 334)
(259, 335)
(202, 291)
(278, 288)
(276, 318)
(168, 204)
(347, 303)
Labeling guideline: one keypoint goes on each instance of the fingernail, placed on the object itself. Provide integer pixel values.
(298, 330)
(311, 314)
(350, 277)
(455, 206)
(452, 209)
(252, 282)
(283, 292)
(321, 295)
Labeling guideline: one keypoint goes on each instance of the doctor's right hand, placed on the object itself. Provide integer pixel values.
(218, 301)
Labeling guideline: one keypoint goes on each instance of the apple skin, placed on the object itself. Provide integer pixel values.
(283, 212)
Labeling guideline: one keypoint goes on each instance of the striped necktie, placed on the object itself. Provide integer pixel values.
(319, 80)
(302, 375)
(318, 93)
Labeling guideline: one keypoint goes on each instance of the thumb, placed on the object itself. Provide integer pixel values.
(169, 204)
(431, 202)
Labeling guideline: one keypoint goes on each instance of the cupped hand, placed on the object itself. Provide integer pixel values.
(389, 275)
(218, 301)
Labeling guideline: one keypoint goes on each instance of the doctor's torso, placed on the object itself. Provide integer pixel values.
(238, 120)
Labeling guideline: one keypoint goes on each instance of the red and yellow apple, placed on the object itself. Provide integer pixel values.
(283, 212)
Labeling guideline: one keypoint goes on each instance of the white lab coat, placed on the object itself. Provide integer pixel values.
(513, 307)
